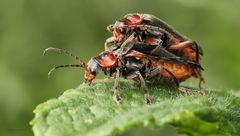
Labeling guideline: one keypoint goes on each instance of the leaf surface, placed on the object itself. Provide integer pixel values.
(91, 110)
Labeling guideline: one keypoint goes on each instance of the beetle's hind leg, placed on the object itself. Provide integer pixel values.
(201, 80)
(188, 89)
(144, 87)
(116, 95)
(157, 72)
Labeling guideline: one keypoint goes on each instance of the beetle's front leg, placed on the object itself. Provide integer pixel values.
(117, 96)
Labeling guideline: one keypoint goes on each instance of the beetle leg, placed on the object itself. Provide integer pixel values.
(157, 72)
(187, 89)
(117, 96)
(144, 87)
(126, 46)
(156, 50)
(201, 79)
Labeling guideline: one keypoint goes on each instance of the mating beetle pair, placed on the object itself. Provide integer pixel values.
(143, 48)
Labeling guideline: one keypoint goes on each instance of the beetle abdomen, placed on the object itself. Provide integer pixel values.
(181, 72)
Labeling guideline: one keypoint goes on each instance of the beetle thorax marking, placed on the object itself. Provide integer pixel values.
(107, 59)
(133, 19)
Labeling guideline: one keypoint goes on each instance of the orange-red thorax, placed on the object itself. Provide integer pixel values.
(107, 59)
(133, 19)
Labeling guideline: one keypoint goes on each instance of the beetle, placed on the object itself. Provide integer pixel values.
(156, 37)
(127, 63)
(142, 48)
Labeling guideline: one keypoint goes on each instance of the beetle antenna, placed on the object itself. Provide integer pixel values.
(62, 66)
(62, 51)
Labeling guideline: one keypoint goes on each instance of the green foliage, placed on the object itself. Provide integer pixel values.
(91, 110)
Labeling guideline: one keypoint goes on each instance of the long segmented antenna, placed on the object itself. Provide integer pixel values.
(67, 53)
(62, 51)
(62, 66)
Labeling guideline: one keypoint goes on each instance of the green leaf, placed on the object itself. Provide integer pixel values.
(91, 110)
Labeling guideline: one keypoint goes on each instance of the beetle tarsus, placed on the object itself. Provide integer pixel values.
(201, 80)
(147, 99)
(117, 96)
(191, 90)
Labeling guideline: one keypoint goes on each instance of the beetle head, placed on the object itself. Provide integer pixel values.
(91, 70)
(103, 61)
(122, 26)
(119, 30)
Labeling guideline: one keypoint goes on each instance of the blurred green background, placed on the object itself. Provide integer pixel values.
(27, 27)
